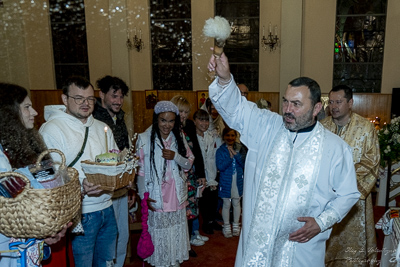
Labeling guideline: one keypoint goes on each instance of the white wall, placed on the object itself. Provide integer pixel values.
(201, 11)
(140, 62)
(391, 60)
(319, 19)
(25, 45)
(270, 62)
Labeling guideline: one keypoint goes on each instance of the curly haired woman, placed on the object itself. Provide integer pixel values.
(20, 145)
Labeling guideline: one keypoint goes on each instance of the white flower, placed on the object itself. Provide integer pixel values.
(386, 131)
(395, 138)
(385, 151)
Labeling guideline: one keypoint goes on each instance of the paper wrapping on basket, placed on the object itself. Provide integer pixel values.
(109, 169)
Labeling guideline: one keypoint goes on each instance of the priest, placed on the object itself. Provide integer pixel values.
(299, 177)
(353, 240)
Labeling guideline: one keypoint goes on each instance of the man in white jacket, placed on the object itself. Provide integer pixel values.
(65, 129)
(299, 177)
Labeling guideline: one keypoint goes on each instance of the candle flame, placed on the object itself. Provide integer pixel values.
(105, 129)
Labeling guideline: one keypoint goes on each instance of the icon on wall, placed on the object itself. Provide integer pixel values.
(151, 98)
(201, 98)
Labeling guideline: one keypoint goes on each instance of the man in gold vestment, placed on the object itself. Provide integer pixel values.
(353, 242)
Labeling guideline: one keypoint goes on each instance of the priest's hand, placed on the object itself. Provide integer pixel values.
(305, 233)
(220, 65)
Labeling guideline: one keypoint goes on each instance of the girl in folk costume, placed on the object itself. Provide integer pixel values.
(230, 160)
(164, 157)
(20, 145)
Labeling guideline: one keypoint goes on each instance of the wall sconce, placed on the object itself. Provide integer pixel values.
(271, 41)
(136, 42)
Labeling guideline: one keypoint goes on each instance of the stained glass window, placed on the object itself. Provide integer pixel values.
(359, 43)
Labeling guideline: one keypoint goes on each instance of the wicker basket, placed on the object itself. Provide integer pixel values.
(40, 213)
(107, 182)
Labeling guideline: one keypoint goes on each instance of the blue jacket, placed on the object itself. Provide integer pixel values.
(225, 167)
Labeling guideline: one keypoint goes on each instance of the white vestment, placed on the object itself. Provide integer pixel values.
(331, 188)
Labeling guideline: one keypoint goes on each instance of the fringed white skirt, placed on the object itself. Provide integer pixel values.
(169, 233)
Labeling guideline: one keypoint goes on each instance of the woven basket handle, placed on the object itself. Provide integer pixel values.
(48, 151)
(23, 177)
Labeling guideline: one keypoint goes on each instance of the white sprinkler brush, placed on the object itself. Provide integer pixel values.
(219, 29)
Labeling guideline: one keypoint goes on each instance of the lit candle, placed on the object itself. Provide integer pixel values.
(140, 34)
(270, 28)
(105, 134)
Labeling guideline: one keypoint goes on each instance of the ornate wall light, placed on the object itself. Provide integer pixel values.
(136, 42)
(272, 40)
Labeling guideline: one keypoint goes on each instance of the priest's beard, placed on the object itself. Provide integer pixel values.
(300, 122)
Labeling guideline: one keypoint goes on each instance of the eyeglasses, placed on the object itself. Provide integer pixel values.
(80, 100)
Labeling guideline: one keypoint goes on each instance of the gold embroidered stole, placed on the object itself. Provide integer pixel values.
(285, 192)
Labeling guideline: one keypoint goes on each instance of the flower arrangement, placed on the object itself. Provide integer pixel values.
(389, 141)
